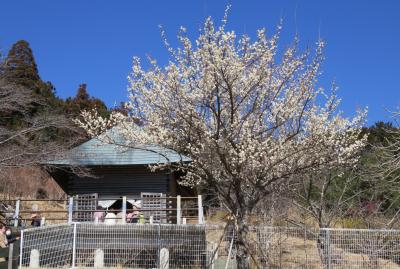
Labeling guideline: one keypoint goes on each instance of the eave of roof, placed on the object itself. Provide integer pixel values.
(96, 152)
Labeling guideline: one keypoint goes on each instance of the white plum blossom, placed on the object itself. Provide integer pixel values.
(250, 119)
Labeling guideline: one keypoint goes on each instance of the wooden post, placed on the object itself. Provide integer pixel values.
(70, 209)
(200, 209)
(16, 213)
(124, 209)
(178, 210)
(43, 221)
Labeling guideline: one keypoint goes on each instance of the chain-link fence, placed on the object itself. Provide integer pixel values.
(89, 245)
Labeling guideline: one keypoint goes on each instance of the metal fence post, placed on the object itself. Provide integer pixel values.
(178, 210)
(159, 244)
(21, 247)
(16, 213)
(10, 255)
(70, 209)
(200, 209)
(74, 248)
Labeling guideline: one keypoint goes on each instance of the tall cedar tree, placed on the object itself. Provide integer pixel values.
(20, 68)
(83, 101)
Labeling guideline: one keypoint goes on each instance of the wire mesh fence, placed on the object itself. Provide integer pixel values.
(53, 243)
(286, 247)
(83, 245)
(89, 245)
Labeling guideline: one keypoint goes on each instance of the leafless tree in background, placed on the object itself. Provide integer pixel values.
(32, 139)
(363, 196)
(388, 153)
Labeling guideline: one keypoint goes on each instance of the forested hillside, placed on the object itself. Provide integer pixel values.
(35, 123)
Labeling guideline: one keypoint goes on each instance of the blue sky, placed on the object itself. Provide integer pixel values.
(93, 42)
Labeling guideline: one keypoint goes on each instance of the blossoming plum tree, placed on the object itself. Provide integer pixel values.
(249, 119)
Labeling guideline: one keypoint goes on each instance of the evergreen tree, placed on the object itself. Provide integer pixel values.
(82, 94)
(20, 65)
(20, 68)
(380, 133)
(83, 101)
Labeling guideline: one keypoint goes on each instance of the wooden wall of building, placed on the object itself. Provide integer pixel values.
(122, 180)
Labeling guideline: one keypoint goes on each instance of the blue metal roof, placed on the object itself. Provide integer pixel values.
(96, 152)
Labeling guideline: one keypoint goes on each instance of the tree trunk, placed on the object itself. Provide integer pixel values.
(323, 245)
(242, 251)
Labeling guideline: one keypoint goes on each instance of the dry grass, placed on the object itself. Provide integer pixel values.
(26, 182)
(293, 252)
(44, 209)
(289, 252)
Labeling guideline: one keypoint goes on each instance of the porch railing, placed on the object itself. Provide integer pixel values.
(25, 212)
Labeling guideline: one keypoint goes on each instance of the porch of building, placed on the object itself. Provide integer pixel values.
(148, 208)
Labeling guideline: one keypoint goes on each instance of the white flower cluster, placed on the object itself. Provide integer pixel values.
(96, 125)
(245, 119)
